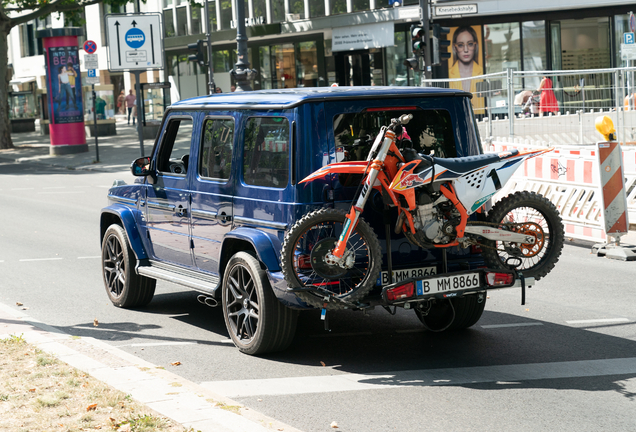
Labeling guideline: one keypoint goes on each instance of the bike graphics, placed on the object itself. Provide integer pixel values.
(337, 254)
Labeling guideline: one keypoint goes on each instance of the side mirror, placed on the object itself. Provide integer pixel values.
(140, 167)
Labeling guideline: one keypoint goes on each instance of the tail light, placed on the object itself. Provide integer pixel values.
(499, 279)
(400, 292)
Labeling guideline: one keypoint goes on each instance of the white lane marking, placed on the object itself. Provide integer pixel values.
(340, 334)
(60, 192)
(40, 259)
(491, 326)
(54, 187)
(417, 378)
(600, 320)
(89, 257)
(22, 188)
(150, 344)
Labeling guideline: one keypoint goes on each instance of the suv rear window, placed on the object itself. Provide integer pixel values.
(266, 152)
(431, 131)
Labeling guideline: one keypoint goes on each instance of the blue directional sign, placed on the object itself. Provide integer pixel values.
(135, 38)
(628, 38)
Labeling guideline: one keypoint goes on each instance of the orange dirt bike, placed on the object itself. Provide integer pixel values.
(336, 255)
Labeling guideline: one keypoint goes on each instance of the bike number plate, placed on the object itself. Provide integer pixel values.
(448, 284)
(400, 275)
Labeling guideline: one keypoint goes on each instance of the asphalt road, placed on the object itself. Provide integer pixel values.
(565, 361)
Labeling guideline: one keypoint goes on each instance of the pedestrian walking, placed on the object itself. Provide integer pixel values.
(120, 103)
(130, 103)
(549, 101)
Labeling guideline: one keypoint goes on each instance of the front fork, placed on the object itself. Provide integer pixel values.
(338, 256)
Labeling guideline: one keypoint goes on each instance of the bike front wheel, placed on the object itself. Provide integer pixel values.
(304, 263)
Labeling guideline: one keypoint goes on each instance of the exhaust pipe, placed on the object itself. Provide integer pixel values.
(207, 300)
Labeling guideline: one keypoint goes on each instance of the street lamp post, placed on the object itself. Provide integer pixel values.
(208, 25)
(242, 73)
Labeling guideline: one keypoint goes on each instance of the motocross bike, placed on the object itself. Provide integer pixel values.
(336, 254)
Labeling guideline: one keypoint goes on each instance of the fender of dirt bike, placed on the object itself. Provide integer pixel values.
(352, 167)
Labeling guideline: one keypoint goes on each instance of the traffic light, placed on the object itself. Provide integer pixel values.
(418, 38)
(440, 44)
(412, 63)
(198, 47)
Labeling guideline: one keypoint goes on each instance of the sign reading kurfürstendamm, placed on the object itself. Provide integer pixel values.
(464, 9)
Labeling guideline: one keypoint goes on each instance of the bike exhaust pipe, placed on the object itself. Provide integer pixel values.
(207, 300)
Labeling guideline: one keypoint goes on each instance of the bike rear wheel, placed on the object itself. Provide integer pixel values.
(303, 259)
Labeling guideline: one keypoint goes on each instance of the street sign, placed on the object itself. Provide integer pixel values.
(91, 80)
(632, 22)
(135, 41)
(91, 73)
(91, 61)
(628, 38)
(90, 47)
(628, 52)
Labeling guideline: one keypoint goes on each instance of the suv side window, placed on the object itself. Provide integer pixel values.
(175, 149)
(266, 152)
(215, 159)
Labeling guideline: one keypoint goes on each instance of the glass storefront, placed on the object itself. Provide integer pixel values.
(583, 43)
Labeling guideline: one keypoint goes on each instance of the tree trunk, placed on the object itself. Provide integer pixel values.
(5, 123)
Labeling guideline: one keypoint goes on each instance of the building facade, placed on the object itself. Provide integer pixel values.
(300, 43)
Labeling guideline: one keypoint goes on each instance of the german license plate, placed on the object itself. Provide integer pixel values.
(446, 284)
(400, 275)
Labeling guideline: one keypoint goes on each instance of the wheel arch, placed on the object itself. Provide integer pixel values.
(124, 217)
(249, 240)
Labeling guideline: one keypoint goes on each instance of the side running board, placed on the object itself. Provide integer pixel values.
(206, 284)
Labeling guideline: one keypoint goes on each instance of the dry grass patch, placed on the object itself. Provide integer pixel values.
(40, 393)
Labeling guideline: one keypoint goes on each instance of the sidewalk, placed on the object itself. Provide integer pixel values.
(168, 394)
(115, 152)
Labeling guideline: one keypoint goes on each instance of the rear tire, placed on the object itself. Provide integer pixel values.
(453, 314)
(256, 321)
(125, 288)
(527, 207)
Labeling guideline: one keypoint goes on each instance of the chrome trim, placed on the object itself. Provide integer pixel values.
(203, 214)
(206, 284)
(122, 199)
(159, 206)
(261, 222)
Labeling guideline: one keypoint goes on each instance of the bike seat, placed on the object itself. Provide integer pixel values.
(470, 163)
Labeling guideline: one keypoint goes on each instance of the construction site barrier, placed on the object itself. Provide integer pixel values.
(569, 177)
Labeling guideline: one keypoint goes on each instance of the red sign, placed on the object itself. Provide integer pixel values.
(90, 47)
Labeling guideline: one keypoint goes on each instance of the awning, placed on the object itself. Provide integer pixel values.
(21, 80)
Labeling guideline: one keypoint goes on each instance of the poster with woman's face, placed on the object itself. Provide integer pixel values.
(65, 86)
(466, 61)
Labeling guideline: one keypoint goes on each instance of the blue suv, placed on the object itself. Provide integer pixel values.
(211, 205)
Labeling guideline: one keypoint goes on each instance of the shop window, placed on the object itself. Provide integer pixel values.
(316, 9)
(397, 73)
(338, 7)
(307, 64)
(361, 5)
(222, 61)
(266, 73)
(226, 14)
(585, 43)
(621, 26)
(278, 11)
(182, 21)
(216, 149)
(266, 152)
(260, 10)
(502, 47)
(168, 20)
(297, 7)
(212, 14)
(285, 65)
(196, 18)
(534, 55)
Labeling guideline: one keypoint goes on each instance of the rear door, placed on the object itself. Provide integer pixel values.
(212, 189)
(168, 199)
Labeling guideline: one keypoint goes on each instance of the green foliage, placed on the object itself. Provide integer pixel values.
(13, 340)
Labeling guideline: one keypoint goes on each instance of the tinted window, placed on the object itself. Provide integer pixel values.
(175, 149)
(216, 148)
(431, 132)
(266, 152)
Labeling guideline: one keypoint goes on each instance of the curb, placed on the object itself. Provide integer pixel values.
(170, 395)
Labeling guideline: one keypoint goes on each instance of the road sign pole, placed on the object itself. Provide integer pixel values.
(95, 122)
(140, 127)
(208, 24)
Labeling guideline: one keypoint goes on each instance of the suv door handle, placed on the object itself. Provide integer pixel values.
(183, 212)
(225, 217)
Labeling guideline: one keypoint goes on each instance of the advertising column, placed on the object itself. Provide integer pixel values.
(63, 81)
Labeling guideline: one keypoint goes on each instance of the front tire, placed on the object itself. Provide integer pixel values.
(256, 321)
(303, 258)
(534, 215)
(125, 288)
